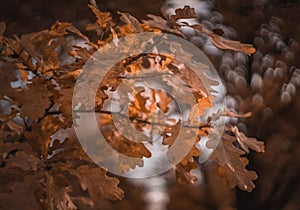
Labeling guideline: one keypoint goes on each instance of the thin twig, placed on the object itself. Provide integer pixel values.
(138, 120)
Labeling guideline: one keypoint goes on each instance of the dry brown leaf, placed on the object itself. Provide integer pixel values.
(161, 23)
(164, 101)
(232, 164)
(23, 160)
(13, 126)
(58, 197)
(35, 99)
(125, 30)
(248, 143)
(68, 150)
(64, 99)
(6, 77)
(7, 148)
(194, 153)
(99, 185)
(183, 173)
(171, 133)
(103, 18)
(185, 13)
(170, 24)
(129, 19)
(39, 136)
(225, 44)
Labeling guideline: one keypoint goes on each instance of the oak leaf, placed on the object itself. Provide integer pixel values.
(129, 19)
(98, 184)
(232, 165)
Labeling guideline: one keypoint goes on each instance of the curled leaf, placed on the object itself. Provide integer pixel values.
(225, 44)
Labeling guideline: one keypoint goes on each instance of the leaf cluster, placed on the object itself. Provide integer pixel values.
(41, 161)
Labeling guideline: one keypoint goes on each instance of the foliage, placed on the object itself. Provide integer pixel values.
(41, 161)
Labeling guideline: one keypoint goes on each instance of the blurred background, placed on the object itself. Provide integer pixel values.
(267, 84)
